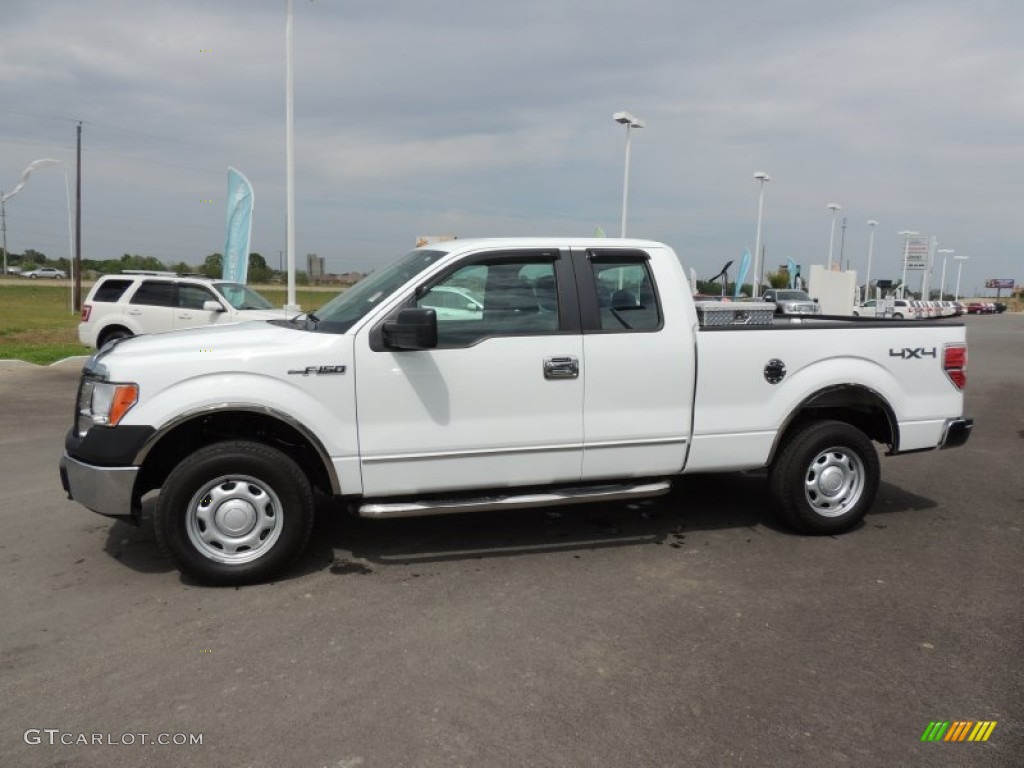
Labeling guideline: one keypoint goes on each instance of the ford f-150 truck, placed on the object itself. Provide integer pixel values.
(494, 374)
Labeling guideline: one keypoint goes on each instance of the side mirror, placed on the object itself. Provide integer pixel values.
(414, 328)
(212, 306)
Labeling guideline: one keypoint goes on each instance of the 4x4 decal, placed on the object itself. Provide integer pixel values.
(916, 353)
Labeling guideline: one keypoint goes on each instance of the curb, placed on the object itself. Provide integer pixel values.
(12, 363)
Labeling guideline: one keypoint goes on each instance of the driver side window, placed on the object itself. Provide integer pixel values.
(511, 297)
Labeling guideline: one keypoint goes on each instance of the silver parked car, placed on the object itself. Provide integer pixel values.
(51, 272)
(791, 302)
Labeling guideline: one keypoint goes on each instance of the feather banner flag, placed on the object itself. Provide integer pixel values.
(791, 268)
(744, 266)
(28, 172)
(239, 226)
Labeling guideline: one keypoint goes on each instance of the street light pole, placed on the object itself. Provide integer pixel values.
(292, 305)
(907, 234)
(871, 250)
(630, 122)
(762, 177)
(959, 269)
(832, 235)
(945, 253)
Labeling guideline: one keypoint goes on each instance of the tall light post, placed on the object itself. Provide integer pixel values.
(289, 140)
(907, 234)
(871, 250)
(834, 207)
(67, 196)
(630, 122)
(762, 177)
(959, 269)
(945, 252)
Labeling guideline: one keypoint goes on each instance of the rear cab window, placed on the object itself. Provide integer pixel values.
(625, 296)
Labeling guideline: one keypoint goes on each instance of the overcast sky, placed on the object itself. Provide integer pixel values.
(490, 119)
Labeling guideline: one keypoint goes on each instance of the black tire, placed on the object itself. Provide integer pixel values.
(117, 333)
(234, 513)
(897, 315)
(825, 478)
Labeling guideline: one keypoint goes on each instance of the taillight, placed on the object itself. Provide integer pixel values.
(86, 311)
(954, 363)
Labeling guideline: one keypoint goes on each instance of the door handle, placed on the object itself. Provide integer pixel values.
(561, 368)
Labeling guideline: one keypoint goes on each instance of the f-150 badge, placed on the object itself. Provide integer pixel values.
(318, 370)
(918, 353)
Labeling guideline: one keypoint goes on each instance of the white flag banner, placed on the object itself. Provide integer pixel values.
(28, 171)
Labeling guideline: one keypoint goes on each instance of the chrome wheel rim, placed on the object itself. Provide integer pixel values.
(234, 519)
(834, 482)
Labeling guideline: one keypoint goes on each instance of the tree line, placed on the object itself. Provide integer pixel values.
(212, 266)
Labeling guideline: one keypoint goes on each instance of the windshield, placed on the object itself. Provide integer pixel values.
(240, 297)
(346, 309)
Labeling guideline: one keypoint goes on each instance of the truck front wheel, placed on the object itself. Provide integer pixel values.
(234, 513)
(825, 478)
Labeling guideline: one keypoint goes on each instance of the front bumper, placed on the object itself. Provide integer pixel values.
(956, 432)
(106, 490)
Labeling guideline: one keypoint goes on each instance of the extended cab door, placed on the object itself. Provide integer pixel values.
(639, 348)
(499, 402)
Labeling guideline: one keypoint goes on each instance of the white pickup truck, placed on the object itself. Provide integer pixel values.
(493, 374)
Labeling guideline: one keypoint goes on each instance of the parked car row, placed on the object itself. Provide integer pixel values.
(903, 309)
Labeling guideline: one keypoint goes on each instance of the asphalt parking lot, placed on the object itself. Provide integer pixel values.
(689, 631)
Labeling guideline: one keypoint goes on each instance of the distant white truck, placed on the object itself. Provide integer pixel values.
(580, 372)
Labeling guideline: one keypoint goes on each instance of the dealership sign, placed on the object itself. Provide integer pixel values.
(1000, 283)
(917, 251)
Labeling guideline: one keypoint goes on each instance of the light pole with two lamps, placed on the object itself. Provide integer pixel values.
(942, 287)
(630, 122)
(834, 207)
(762, 177)
(959, 269)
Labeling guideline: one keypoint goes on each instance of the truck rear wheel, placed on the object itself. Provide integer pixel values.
(825, 478)
(234, 513)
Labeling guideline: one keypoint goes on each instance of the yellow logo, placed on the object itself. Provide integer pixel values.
(958, 730)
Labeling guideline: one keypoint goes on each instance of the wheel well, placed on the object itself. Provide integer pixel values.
(217, 427)
(855, 405)
(105, 333)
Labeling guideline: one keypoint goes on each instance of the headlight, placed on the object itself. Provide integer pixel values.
(102, 403)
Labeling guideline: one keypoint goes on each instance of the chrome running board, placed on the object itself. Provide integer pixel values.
(551, 498)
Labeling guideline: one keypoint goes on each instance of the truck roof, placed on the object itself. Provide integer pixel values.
(459, 244)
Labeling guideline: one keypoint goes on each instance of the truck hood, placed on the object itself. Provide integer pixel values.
(222, 345)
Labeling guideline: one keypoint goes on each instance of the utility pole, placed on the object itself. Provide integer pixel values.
(76, 295)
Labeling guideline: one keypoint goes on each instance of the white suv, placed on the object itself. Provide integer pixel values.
(130, 304)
